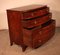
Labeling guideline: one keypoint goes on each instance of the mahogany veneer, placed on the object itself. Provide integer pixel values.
(30, 25)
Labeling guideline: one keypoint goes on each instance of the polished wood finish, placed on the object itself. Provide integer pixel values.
(30, 25)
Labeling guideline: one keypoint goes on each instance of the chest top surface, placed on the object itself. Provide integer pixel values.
(28, 8)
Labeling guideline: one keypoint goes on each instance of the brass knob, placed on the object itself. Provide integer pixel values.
(40, 32)
(40, 26)
(39, 40)
(35, 22)
(32, 14)
(50, 15)
(47, 9)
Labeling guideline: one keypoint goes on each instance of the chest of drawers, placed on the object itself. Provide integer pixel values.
(30, 25)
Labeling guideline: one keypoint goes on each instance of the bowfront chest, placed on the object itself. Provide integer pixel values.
(30, 26)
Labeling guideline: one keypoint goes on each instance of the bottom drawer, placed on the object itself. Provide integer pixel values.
(44, 38)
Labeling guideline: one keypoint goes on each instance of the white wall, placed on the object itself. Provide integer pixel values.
(5, 4)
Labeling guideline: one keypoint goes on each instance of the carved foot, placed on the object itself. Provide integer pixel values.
(24, 48)
(11, 43)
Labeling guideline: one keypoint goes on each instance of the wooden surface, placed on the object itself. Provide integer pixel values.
(28, 8)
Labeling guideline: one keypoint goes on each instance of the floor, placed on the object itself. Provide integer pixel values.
(52, 47)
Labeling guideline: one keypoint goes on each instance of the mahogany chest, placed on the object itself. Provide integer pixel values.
(30, 26)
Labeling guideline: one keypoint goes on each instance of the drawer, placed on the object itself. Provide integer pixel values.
(35, 13)
(37, 21)
(41, 39)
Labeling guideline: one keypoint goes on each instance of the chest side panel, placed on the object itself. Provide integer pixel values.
(15, 28)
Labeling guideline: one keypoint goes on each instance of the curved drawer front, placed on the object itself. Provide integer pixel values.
(28, 15)
(37, 21)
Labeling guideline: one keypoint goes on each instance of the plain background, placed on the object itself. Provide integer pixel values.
(7, 4)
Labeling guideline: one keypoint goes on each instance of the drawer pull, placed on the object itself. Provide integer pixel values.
(32, 14)
(40, 26)
(40, 32)
(35, 22)
(47, 9)
(39, 40)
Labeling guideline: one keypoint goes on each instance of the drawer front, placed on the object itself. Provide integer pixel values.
(28, 15)
(42, 38)
(37, 21)
(44, 34)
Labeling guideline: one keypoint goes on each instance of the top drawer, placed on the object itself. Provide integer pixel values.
(35, 13)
